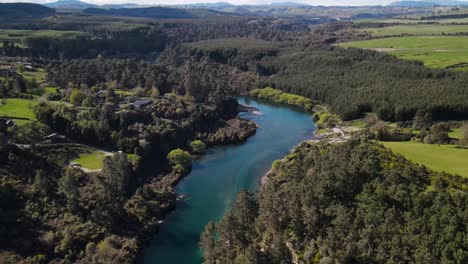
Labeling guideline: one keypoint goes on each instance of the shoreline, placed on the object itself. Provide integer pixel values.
(144, 237)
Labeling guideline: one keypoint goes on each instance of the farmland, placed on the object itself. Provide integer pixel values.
(448, 158)
(423, 29)
(433, 51)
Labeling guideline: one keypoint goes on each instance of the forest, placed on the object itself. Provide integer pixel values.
(350, 81)
(344, 203)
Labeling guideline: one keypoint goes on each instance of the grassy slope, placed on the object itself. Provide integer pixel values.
(18, 108)
(417, 30)
(433, 51)
(413, 21)
(446, 158)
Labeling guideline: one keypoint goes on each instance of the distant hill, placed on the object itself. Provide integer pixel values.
(428, 3)
(24, 10)
(288, 4)
(70, 4)
(412, 4)
(217, 5)
(155, 12)
(115, 6)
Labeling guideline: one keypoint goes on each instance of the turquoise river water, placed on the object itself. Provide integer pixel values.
(218, 176)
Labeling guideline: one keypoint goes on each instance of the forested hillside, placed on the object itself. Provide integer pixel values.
(15, 11)
(354, 202)
(155, 12)
(141, 38)
(351, 81)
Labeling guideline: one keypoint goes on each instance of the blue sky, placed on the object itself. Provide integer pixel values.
(171, 2)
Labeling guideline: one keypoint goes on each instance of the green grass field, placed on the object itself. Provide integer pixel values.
(417, 30)
(17, 36)
(446, 158)
(18, 108)
(91, 159)
(50, 89)
(413, 21)
(39, 75)
(433, 51)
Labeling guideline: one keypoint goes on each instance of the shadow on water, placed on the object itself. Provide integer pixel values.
(219, 175)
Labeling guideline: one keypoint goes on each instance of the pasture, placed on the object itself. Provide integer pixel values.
(16, 107)
(449, 158)
(434, 51)
(417, 30)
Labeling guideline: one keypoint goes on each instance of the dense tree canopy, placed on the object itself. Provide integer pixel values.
(351, 81)
(351, 202)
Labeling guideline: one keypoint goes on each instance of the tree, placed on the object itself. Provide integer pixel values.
(154, 92)
(77, 97)
(236, 229)
(115, 181)
(198, 146)
(180, 160)
(68, 186)
(328, 120)
(208, 243)
(422, 119)
(42, 183)
(117, 174)
(464, 135)
(439, 133)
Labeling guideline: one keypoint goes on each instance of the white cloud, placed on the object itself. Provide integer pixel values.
(238, 2)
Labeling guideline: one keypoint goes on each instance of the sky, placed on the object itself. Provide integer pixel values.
(238, 2)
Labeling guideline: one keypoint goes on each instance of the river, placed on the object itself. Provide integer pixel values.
(218, 176)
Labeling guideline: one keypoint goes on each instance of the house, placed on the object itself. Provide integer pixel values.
(142, 103)
(51, 136)
(55, 138)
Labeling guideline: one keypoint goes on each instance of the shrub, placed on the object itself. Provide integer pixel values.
(180, 160)
(198, 146)
(77, 97)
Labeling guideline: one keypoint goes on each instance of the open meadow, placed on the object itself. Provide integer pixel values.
(448, 158)
(417, 30)
(434, 51)
(21, 108)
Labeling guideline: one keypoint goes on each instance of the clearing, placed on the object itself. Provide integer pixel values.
(91, 159)
(449, 158)
(18, 36)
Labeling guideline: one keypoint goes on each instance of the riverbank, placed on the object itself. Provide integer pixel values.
(217, 177)
(234, 131)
